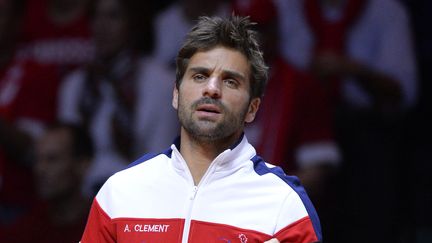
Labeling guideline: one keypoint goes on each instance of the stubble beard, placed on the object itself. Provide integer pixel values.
(210, 131)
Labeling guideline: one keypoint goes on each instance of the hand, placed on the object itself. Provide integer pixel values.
(274, 240)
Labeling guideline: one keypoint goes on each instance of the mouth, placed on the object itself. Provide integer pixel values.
(209, 108)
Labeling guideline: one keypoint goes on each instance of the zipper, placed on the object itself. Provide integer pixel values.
(193, 194)
(186, 227)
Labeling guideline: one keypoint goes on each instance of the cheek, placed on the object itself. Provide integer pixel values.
(184, 107)
(239, 101)
(186, 97)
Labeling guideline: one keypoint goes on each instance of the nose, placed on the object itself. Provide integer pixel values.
(212, 88)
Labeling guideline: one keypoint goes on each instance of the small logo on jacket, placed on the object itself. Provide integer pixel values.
(243, 238)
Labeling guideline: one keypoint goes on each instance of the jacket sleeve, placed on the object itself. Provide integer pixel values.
(99, 226)
(300, 231)
(298, 221)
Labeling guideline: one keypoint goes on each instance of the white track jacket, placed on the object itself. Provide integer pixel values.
(239, 199)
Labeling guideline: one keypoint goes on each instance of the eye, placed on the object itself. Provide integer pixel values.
(232, 83)
(199, 77)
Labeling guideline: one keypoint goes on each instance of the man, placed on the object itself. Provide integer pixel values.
(63, 154)
(119, 94)
(210, 186)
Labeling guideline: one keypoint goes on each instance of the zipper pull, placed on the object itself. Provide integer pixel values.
(194, 192)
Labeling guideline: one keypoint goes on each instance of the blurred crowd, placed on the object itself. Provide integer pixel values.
(86, 88)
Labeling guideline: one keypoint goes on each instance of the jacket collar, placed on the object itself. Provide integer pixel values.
(227, 162)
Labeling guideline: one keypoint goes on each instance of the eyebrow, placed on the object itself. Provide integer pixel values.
(231, 73)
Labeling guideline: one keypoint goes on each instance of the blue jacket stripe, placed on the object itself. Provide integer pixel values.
(261, 169)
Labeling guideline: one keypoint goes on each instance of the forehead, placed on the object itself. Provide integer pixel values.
(221, 59)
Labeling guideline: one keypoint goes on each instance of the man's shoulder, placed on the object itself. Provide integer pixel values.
(151, 156)
(148, 163)
(273, 179)
(134, 183)
(263, 168)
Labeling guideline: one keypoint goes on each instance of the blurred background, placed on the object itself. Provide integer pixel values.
(86, 86)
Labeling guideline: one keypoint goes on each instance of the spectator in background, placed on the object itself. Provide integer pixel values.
(361, 53)
(294, 126)
(172, 25)
(118, 96)
(353, 40)
(27, 103)
(63, 154)
(56, 32)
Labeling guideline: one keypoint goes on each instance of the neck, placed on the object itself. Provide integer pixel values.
(199, 154)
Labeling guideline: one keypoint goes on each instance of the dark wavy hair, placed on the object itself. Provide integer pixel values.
(235, 32)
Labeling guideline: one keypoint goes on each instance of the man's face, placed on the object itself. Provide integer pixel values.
(213, 100)
(55, 168)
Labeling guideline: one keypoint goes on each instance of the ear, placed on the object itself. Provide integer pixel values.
(253, 109)
(175, 98)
